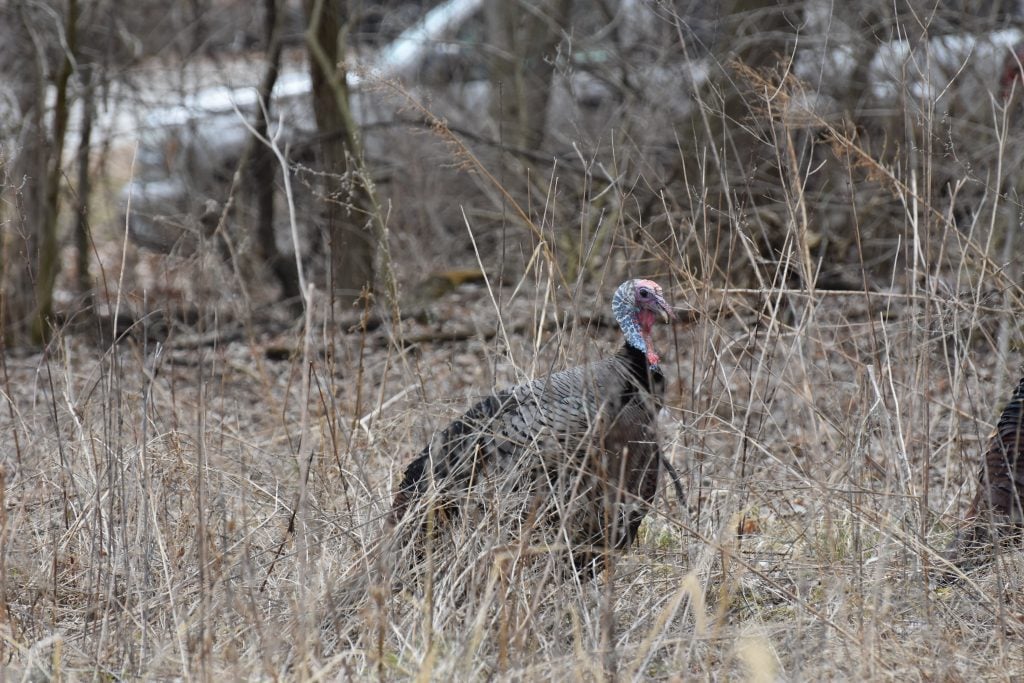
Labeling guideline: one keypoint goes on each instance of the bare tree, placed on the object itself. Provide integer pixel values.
(262, 171)
(84, 189)
(347, 214)
(524, 37)
(24, 166)
(33, 247)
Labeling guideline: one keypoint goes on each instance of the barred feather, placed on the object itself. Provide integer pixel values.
(996, 513)
(584, 439)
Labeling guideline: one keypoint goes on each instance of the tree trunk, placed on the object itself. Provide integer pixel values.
(30, 249)
(84, 190)
(757, 34)
(262, 173)
(348, 209)
(49, 262)
(525, 35)
(27, 68)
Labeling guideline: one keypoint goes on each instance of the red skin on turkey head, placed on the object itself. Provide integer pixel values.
(646, 318)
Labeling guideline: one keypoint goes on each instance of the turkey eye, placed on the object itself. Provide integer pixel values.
(644, 293)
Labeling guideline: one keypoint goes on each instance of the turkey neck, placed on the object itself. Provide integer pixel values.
(645, 376)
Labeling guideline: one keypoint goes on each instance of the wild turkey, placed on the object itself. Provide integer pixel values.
(996, 513)
(580, 446)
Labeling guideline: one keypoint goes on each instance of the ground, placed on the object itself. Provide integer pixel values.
(211, 504)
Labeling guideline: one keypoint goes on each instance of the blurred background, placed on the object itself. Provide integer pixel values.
(743, 143)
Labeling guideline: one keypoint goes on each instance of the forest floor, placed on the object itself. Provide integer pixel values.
(210, 502)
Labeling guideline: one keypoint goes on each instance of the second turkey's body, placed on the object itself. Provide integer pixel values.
(578, 448)
(997, 511)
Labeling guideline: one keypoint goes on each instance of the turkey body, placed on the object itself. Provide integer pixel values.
(579, 447)
(997, 511)
(1001, 484)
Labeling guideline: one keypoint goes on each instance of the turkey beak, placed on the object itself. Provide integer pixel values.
(665, 311)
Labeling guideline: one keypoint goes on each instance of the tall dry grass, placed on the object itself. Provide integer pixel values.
(210, 508)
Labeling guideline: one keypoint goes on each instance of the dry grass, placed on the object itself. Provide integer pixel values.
(148, 494)
(205, 511)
